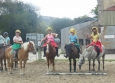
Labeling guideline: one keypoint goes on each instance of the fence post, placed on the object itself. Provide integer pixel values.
(39, 50)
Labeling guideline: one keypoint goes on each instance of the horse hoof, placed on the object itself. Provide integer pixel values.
(9, 72)
(93, 69)
(21, 73)
(6, 69)
(15, 68)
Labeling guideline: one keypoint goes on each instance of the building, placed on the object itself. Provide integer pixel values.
(105, 23)
(106, 20)
(83, 28)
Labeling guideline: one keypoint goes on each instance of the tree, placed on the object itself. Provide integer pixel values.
(59, 24)
(95, 11)
(80, 19)
(18, 15)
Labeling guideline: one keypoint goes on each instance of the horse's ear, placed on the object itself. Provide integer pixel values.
(30, 42)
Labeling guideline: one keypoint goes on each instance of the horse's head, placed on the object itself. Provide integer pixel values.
(81, 61)
(48, 47)
(85, 54)
(31, 47)
(68, 49)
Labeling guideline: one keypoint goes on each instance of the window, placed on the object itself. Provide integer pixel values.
(81, 42)
(87, 41)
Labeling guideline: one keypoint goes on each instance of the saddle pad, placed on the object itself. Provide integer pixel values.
(11, 52)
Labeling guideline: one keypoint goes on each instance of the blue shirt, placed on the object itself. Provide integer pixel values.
(73, 38)
(7, 40)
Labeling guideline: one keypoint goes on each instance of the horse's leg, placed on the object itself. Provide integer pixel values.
(70, 64)
(8, 64)
(21, 67)
(74, 61)
(11, 64)
(1, 67)
(16, 64)
(5, 64)
(93, 64)
(89, 64)
(48, 64)
(98, 64)
(53, 65)
(103, 59)
(24, 67)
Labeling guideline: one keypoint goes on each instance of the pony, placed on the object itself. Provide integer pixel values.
(72, 53)
(2, 57)
(50, 56)
(22, 56)
(91, 53)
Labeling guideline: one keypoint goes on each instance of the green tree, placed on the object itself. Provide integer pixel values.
(59, 24)
(95, 11)
(18, 15)
(80, 19)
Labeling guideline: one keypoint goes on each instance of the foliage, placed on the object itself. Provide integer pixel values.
(95, 11)
(18, 15)
(61, 23)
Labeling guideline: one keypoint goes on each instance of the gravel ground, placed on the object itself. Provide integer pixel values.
(36, 73)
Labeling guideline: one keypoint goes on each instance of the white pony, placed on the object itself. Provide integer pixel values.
(90, 53)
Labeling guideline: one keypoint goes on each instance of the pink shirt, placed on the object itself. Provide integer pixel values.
(50, 37)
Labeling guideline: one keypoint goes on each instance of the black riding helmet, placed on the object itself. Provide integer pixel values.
(5, 34)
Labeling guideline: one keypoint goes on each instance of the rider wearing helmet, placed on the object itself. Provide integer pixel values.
(50, 38)
(95, 40)
(17, 42)
(73, 39)
(7, 39)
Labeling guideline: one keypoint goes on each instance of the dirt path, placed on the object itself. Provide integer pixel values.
(36, 73)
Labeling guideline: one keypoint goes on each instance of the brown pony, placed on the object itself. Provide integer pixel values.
(50, 55)
(2, 57)
(22, 56)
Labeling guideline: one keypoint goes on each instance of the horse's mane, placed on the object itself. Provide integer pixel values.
(25, 45)
(89, 48)
(50, 47)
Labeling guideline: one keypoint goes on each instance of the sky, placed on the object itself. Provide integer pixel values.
(64, 8)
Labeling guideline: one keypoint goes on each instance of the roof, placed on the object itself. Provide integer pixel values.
(87, 19)
(111, 8)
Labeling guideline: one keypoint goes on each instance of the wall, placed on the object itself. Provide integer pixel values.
(108, 3)
(82, 30)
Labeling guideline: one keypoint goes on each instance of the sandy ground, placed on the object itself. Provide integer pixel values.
(36, 73)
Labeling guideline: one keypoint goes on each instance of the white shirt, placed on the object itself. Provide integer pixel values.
(17, 38)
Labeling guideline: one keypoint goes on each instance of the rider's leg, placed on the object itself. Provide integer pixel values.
(98, 51)
(44, 51)
(15, 53)
(77, 48)
(56, 51)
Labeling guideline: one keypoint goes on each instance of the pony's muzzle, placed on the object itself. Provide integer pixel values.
(79, 67)
(34, 52)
